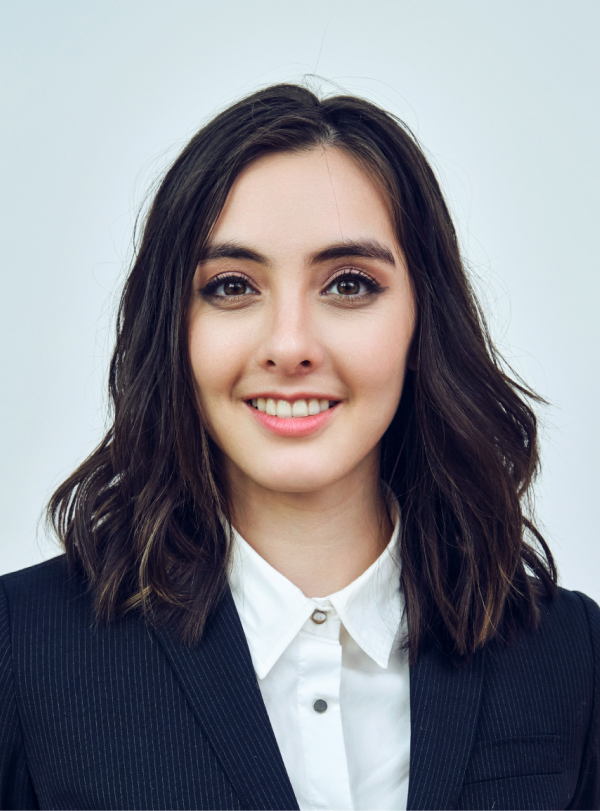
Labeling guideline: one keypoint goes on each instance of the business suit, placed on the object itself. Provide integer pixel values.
(123, 717)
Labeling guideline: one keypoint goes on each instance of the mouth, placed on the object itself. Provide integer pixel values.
(291, 409)
(293, 418)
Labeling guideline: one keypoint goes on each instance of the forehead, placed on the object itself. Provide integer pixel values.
(295, 201)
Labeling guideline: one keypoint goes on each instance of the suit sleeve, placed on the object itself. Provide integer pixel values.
(587, 793)
(16, 790)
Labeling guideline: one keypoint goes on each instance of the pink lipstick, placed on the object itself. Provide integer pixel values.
(294, 426)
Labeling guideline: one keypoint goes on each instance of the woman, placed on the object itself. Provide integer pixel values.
(298, 571)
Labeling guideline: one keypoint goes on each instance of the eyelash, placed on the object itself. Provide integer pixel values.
(373, 287)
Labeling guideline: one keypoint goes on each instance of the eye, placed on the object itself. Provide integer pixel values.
(352, 284)
(347, 287)
(230, 286)
(234, 287)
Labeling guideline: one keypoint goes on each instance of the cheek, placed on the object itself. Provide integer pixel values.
(216, 357)
(374, 357)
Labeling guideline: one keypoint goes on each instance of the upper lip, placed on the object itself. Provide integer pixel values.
(292, 397)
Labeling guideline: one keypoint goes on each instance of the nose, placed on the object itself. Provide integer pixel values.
(290, 343)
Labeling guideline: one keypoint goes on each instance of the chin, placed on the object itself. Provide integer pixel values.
(291, 478)
(295, 485)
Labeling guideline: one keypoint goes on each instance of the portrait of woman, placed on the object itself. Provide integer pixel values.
(299, 570)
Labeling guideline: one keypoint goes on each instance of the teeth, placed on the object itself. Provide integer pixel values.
(299, 409)
(284, 409)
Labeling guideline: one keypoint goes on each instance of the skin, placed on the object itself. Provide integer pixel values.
(311, 506)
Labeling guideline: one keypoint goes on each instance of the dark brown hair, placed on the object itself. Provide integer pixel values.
(139, 518)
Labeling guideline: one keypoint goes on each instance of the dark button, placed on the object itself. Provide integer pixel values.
(319, 705)
(318, 616)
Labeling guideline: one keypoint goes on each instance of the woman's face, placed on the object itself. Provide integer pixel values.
(302, 297)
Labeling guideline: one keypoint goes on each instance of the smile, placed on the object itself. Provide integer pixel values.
(288, 409)
(292, 418)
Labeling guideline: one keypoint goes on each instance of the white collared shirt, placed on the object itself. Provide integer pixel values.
(355, 753)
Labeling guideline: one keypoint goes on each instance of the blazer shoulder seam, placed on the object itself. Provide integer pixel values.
(30, 572)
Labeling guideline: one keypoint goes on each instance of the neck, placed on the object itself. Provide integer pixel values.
(320, 540)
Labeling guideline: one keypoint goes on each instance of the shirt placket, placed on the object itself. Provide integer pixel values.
(320, 713)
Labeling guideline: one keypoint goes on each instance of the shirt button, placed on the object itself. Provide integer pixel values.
(318, 617)
(319, 705)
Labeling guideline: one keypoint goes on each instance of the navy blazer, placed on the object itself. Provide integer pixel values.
(123, 717)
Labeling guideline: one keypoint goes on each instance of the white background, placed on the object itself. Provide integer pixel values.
(97, 98)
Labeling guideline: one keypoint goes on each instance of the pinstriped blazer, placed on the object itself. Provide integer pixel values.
(123, 717)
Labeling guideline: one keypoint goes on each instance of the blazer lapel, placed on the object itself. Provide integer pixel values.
(220, 684)
(444, 705)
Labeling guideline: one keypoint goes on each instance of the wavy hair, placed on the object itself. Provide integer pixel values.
(139, 517)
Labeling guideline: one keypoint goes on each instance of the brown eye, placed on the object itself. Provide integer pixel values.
(347, 287)
(234, 288)
(352, 285)
(355, 286)
(228, 287)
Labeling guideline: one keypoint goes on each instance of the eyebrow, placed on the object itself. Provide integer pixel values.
(231, 250)
(364, 248)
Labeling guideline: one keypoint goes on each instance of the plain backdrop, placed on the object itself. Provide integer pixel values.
(98, 98)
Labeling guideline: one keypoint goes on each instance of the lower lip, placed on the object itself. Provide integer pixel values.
(293, 426)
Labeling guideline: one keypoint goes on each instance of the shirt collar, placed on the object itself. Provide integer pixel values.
(273, 610)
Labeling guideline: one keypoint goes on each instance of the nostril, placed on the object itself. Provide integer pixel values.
(305, 363)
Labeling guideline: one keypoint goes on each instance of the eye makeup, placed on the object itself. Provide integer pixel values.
(349, 281)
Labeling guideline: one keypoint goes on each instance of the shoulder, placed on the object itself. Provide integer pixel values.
(572, 619)
(570, 604)
(33, 600)
(41, 583)
(48, 623)
(592, 614)
(41, 572)
(568, 631)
